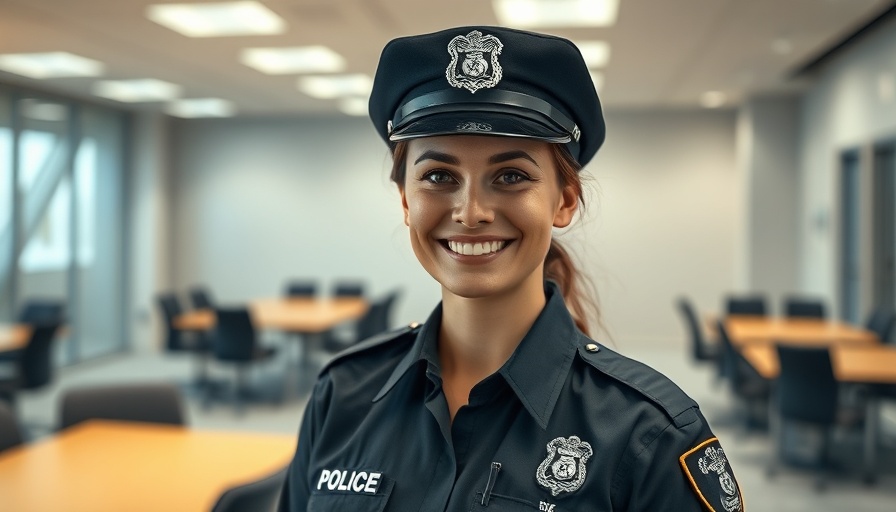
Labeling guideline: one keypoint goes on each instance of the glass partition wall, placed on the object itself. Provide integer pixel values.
(61, 217)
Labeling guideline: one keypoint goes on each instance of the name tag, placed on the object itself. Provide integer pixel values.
(349, 480)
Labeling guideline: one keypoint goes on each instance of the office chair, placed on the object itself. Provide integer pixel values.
(807, 392)
(746, 384)
(10, 435)
(795, 307)
(39, 311)
(301, 288)
(881, 322)
(746, 305)
(376, 319)
(148, 402)
(701, 351)
(235, 342)
(259, 496)
(348, 289)
(201, 298)
(33, 368)
(175, 339)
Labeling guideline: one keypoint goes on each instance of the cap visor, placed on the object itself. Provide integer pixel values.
(478, 123)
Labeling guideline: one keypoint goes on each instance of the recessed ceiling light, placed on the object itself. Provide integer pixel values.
(336, 86)
(556, 13)
(131, 91)
(302, 59)
(595, 53)
(712, 99)
(201, 107)
(217, 19)
(354, 106)
(598, 79)
(50, 65)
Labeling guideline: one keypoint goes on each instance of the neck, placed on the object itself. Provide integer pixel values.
(478, 335)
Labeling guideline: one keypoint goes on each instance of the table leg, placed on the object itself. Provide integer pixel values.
(872, 432)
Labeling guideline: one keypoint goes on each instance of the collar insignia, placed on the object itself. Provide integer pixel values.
(710, 475)
(474, 61)
(563, 470)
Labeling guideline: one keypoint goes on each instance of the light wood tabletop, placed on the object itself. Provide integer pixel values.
(100, 466)
(744, 330)
(852, 363)
(287, 314)
(14, 336)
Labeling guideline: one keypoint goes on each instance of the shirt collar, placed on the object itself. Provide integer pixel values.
(537, 369)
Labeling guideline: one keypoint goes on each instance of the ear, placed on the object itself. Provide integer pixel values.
(404, 205)
(569, 203)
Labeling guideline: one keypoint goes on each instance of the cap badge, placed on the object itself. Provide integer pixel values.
(474, 61)
(564, 468)
(473, 126)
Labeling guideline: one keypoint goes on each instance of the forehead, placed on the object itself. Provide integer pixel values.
(478, 147)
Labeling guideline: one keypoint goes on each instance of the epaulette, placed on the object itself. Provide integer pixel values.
(652, 384)
(388, 338)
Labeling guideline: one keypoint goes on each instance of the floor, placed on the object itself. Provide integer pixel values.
(790, 490)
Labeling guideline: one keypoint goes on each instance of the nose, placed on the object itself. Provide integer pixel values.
(473, 207)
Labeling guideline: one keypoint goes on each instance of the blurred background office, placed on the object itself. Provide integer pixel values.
(157, 160)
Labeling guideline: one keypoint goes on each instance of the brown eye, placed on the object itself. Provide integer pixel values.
(512, 178)
(438, 177)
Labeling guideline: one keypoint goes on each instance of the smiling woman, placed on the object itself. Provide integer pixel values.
(500, 399)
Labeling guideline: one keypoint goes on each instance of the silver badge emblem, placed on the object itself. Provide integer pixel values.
(563, 470)
(716, 462)
(474, 61)
(473, 126)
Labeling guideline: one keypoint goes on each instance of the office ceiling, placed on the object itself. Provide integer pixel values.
(665, 53)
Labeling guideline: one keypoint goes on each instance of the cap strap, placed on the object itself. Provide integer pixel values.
(453, 100)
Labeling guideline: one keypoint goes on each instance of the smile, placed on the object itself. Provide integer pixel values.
(476, 249)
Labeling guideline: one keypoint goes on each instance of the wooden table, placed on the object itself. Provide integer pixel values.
(286, 314)
(101, 466)
(14, 336)
(743, 330)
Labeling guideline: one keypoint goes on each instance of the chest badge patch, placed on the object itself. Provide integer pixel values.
(711, 477)
(474, 61)
(564, 469)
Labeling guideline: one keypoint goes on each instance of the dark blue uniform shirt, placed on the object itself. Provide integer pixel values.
(564, 425)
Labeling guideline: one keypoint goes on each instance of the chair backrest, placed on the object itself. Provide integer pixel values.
(171, 308)
(881, 322)
(201, 298)
(10, 435)
(348, 289)
(752, 305)
(378, 317)
(40, 311)
(234, 335)
(804, 308)
(301, 289)
(36, 361)
(698, 344)
(259, 496)
(806, 389)
(151, 402)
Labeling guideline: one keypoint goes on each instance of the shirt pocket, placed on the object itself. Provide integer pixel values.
(501, 503)
(339, 502)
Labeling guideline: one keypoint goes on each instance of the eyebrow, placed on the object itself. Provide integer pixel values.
(511, 155)
(437, 156)
(494, 159)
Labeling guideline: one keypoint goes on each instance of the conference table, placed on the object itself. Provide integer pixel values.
(304, 315)
(857, 357)
(106, 466)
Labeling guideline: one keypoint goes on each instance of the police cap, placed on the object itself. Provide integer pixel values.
(487, 81)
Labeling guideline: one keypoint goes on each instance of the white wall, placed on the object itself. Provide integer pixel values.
(258, 201)
(851, 105)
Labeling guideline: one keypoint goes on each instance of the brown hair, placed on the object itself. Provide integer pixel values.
(558, 265)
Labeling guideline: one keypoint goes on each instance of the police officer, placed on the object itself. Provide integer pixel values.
(500, 401)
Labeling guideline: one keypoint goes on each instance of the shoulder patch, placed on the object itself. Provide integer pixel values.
(402, 334)
(652, 384)
(711, 477)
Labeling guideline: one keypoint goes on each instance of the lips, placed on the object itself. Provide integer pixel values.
(476, 248)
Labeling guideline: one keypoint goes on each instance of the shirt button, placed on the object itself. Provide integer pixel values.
(592, 347)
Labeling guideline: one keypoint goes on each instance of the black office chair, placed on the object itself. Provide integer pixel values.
(746, 305)
(348, 289)
(377, 319)
(175, 339)
(746, 384)
(795, 307)
(701, 351)
(10, 435)
(39, 311)
(33, 368)
(149, 402)
(235, 342)
(881, 322)
(301, 288)
(201, 298)
(807, 392)
(259, 496)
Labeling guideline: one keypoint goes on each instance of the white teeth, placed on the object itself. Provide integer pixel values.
(476, 249)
